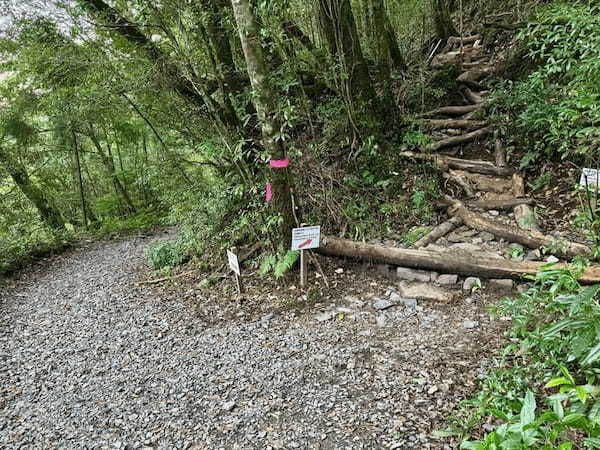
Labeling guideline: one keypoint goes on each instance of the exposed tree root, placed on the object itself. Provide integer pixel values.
(458, 140)
(468, 165)
(528, 238)
(438, 232)
(440, 124)
(452, 110)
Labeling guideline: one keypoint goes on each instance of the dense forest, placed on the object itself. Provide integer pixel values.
(236, 121)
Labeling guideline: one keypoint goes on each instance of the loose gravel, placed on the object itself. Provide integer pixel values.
(90, 359)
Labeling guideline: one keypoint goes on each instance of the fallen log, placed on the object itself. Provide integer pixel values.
(528, 238)
(440, 262)
(485, 183)
(468, 165)
(438, 232)
(451, 110)
(453, 40)
(440, 124)
(458, 140)
(473, 75)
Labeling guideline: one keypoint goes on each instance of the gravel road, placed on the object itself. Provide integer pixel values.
(88, 359)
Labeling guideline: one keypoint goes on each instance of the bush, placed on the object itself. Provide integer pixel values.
(167, 254)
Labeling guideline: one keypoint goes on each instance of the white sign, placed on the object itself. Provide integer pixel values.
(593, 178)
(306, 238)
(234, 264)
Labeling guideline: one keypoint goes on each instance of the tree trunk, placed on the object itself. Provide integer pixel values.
(17, 171)
(389, 53)
(266, 108)
(444, 27)
(88, 215)
(110, 167)
(339, 30)
(441, 262)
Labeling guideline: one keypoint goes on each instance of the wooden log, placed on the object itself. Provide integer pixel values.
(451, 110)
(453, 40)
(440, 262)
(468, 165)
(486, 183)
(499, 205)
(528, 238)
(524, 214)
(440, 124)
(472, 75)
(438, 232)
(458, 140)
(471, 96)
(473, 84)
(499, 152)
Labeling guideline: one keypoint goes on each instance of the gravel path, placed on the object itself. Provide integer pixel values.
(90, 360)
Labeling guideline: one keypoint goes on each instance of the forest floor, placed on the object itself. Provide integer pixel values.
(92, 358)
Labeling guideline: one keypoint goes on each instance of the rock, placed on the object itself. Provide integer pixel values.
(339, 270)
(471, 283)
(533, 255)
(228, 406)
(494, 213)
(477, 241)
(552, 259)
(404, 301)
(381, 320)
(487, 237)
(412, 275)
(503, 284)
(432, 390)
(470, 324)
(426, 292)
(324, 317)
(447, 279)
(381, 304)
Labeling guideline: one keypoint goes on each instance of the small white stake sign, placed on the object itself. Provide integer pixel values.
(234, 263)
(590, 177)
(306, 238)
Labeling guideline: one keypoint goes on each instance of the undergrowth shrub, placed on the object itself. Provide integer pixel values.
(163, 254)
(544, 393)
(555, 111)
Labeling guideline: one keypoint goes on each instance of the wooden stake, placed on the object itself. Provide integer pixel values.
(237, 278)
(303, 265)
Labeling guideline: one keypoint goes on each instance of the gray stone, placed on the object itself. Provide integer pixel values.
(533, 255)
(487, 237)
(228, 406)
(426, 292)
(324, 317)
(447, 279)
(470, 324)
(412, 275)
(477, 241)
(494, 213)
(465, 247)
(404, 301)
(503, 284)
(471, 283)
(552, 259)
(381, 320)
(381, 304)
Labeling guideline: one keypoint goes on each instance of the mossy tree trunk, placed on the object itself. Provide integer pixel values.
(266, 108)
(18, 172)
(389, 54)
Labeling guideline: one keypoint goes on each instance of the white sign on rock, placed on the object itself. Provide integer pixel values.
(592, 176)
(306, 238)
(234, 263)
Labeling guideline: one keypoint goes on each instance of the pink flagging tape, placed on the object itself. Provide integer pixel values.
(268, 192)
(279, 164)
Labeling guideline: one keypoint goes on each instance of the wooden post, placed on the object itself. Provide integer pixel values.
(303, 266)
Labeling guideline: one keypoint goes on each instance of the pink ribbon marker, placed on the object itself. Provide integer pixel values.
(268, 192)
(279, 164)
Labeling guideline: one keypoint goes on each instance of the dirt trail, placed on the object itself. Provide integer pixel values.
(90, 360)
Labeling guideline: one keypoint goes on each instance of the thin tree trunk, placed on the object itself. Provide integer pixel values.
(266, 105)
(390, 56)
(110, 167)
(339, 31)
(17, 171)
(79, 180)
(444, 27)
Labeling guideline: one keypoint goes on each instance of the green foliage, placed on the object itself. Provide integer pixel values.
(557, 108)
(409, 239)
(163, 254)
(278, 264)
(554, 357)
